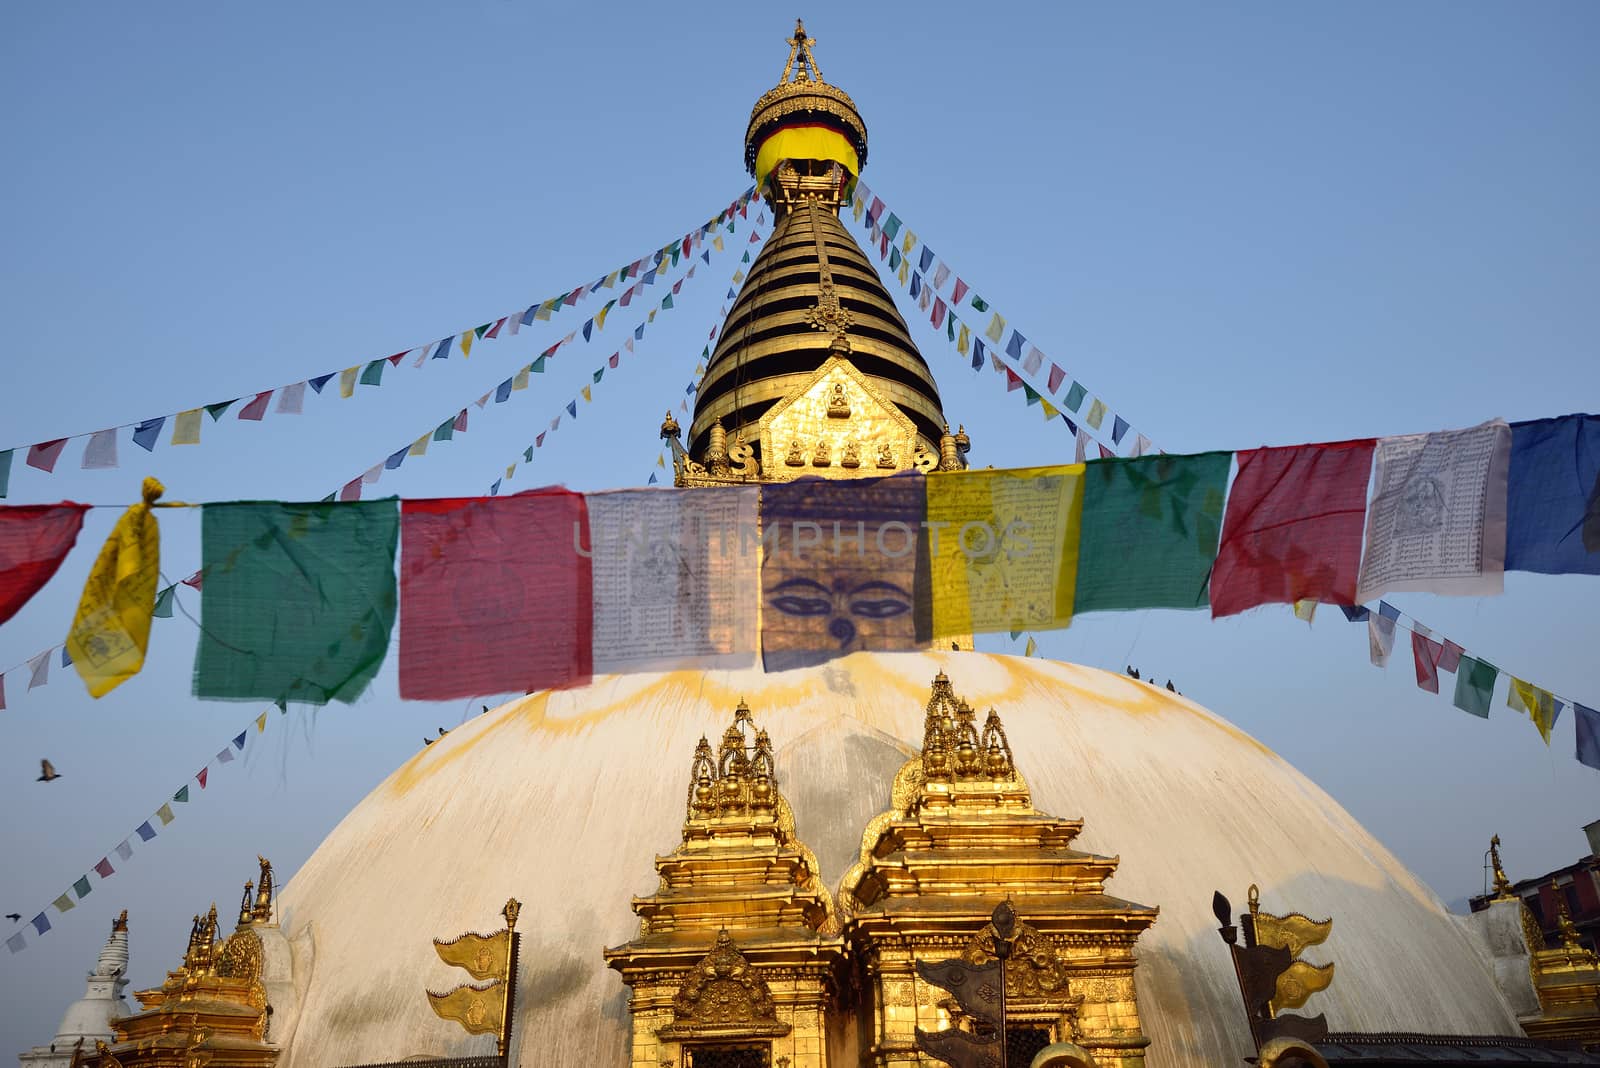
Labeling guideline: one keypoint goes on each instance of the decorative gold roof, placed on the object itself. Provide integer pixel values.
(802, 95)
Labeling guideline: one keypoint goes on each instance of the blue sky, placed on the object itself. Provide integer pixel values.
(1238, 224)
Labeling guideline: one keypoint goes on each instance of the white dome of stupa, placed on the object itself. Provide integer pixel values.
(564, 799)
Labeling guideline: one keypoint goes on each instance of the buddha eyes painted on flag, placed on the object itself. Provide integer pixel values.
(844, 603)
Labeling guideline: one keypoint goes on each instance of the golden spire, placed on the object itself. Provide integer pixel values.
(121, 922)
(262, 911)
(247, 905)
(1502, 885)
(1564, 925)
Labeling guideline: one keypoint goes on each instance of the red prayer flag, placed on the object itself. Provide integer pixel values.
(960, 291)
(1292, 530)
(201, 778)
(615, 356)
(104, 868)
(351, 491)
(1057, 375)
(1450, 657)
(461, 422)
(494, 330)
(34, 539)
(196, 580)
(394, 361)
(256, 408)
(538, 442)
(938, 313)
(495, 595)
(1105, 453)
(1013, 382)
(1426, 653)
(44, 455)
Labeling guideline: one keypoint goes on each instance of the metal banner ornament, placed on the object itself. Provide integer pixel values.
(980, 991)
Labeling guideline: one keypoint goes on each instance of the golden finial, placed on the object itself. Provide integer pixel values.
(1564, 924)
(247, 904)
(120, 923)
(669, 428)
(262, 912)
(512, 910)
(1502, 885)
(800, 48)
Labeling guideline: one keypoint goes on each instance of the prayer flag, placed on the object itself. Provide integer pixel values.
(322, 380)
(186, 427)
(64, 904)
(164, 813)
(1149, 531)
(111, 629)
(1437, 521)
(1119, 427)
(124, 848)
(940, 276)
(675, 578)
(484, 615)
(145, 831)
(572, 409)
(466, 343)
(1450, 656)
(16, 943)
(494, 331)
(1425, 652)
(587, 395)
(216, 410)
(396, 458)
(959, 292)
(891, 226)
(82, 887)
(291, 400)
(910, 241)
(1097, 414)
(916, 284)
(1031, 394)
(201, 775)
(977, 354)
(104, 868)
(347, 377)
(1306, 610)
(963, 339)
(1355, 613)
(1540, 705)
(101, 452)
(1014, 346)
(41, 923)
(238, 740)
(1587, 724)
(997, 329)
(182, 796)
(371, 375)
(461, 421)
(1141, 445)
(44, 455)
(299, 599)
(1293, 527)
(1380, 634)
(1553, 505)
(257, 408)
(1475, 686)
(34, 540)
(979, 304)
(224, 756)
(1075, 397)
(146, 433)
(39, 669)
(1056, 376)
(1003, 548)
(842, 568)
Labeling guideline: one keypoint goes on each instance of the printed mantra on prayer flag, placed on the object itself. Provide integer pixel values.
(1004, 548)
(1437, 521)
(675, 578)
(34, 539)
(495, 598)
(1292, 531)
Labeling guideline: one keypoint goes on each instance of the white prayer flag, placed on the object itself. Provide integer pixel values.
(676, 581)
(101, 452)
(1437, 521)
(124, 850)
(941, 275)
(1380, 638)
(1082, 447)
(291, 399)
(39, 668)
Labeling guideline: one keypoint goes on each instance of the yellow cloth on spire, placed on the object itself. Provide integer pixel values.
(111, 630)
(805, 142)
(483, 956)
(1004, 548)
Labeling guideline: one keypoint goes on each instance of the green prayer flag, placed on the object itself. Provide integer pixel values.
(182, 796)
(372, 374)
(479, 330)
(1475, 685)
(5, 472)
(1075, 397)
(163, 609)
(1149, 531)
(979, 303)
(299, 599)
(527, 454)
(216, 410)
(598, 375)
(950, 328)
(445, 430)
(537, 366)
(1031, 393)
(82, 887)
(666, 301)
(746, 258)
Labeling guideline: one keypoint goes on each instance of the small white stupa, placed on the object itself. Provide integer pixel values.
(89, 1018)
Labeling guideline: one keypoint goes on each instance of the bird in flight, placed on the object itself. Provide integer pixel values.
(47, 772)
(14, 917)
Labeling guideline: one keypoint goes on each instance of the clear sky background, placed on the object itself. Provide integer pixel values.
(1238, 224)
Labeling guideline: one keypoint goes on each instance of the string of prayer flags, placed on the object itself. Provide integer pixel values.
(298, 600)
(1003, 548)
(1150, 531)
(111, 629)
(1553, 496)
(842, 568)
(467, 570)
(34, 539)
(1292, 529)
(675, 578)
(1437, 521)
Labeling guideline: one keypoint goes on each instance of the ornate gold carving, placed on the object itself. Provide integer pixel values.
(809, 422)
(852, 454)
(484, 1008)
(104, 1057)
(1035, 968)
(1564, 925)
(797, 454)
(801, 90)
(241, 956)
(952, 748)
(724, 995)
(886, 455)
(1293, 932)
(838, 402)
(821, 457)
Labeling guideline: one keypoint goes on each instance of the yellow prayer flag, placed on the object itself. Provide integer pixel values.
(857, 208)
(600, 317)
(1097, 413)
(910, 242)
(111, 630)
(1004, 548)
(661, 460)
(586, 395)
(419, 446)
(479, 1009)
(261, 723)
(186, 427)
(521, 379)
(1539, 705)
(716, 242)
(738, 276)
(652, 316)
(543, 312)
(466, 343)
(164, 814)
(964, 340)
(905, 271)
(511, 469)
(347, 382)
(611, 280)
(1031, 648)
(1305, 609)
(997, 329)
(1049, 409)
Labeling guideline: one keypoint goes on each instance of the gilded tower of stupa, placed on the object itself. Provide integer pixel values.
(814, 373)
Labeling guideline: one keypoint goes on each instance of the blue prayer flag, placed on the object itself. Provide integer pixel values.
(977, 355)
(396, 458)
(41, 923)
(318, 382)
(588, 328)
(238, 742)
(66, 657)
(494, 490)
(145, 831)
(926, 261)
(502, 392)
(916, 284)
(527, 316)
(443, 351)
(1118, 428)
(1355, 613)
(1070, 424)
(1014, 346)
(650, 277)
(1588, 728)
(1387, 610)
(731, 293)
(1553, 496)
(652, 478)
(572, 408)
(638, 333)
(146, 433)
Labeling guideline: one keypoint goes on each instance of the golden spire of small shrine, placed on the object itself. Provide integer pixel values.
(1502, 885)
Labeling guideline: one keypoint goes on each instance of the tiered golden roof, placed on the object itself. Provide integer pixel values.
(1567, 980)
